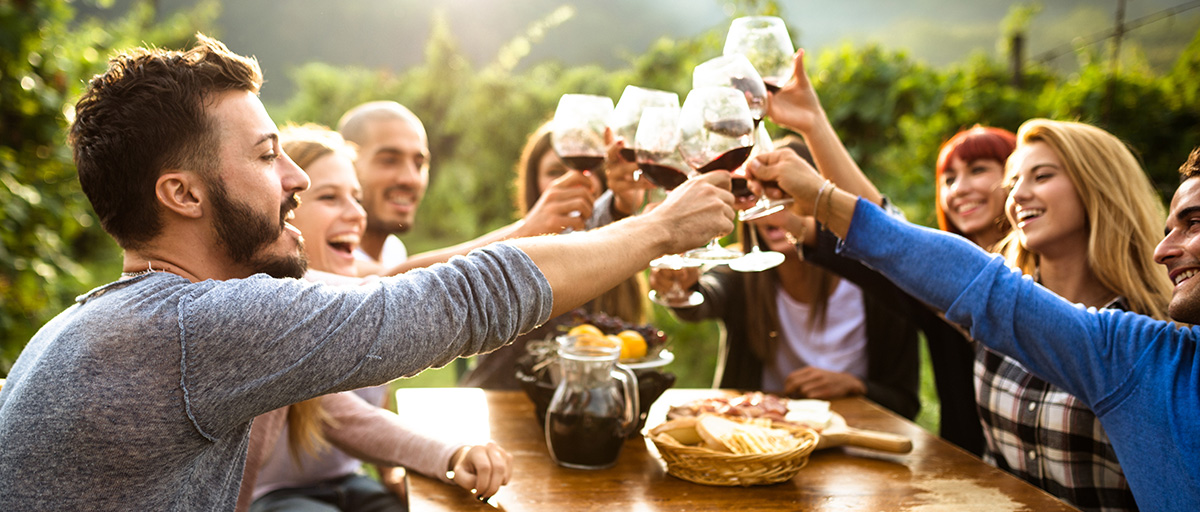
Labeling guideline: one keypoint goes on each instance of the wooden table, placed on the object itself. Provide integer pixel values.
(935, 476)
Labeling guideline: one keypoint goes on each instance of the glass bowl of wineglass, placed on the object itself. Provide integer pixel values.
(737, 72)
(577, 131)
(716, 133)
(628, 113)
(765, 42)
(656, 148)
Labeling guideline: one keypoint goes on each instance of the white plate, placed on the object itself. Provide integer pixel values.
(664, 357)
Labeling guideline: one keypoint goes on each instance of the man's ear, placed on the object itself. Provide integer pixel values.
(181, 192)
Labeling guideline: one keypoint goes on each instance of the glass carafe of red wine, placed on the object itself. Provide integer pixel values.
(595, 406)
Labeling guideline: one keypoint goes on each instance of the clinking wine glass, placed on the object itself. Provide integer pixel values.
(765, 42)
(628, 113)
(656, 148)
(716, 133)
(577, 132)
(764, 206)
(757, 260)
(737, 72)
(675, 268)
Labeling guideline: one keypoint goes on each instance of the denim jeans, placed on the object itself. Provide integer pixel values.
(352, 493)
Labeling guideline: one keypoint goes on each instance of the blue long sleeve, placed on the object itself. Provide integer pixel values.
(1141, 376)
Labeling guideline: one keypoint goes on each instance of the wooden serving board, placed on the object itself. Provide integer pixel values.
(840, 434)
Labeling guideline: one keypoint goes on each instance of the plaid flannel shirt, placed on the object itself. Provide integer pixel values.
(1046, 436)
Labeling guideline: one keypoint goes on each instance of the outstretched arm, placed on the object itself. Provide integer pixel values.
(797, 107)
(566, 203)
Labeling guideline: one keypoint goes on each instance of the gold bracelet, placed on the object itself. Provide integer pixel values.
(829, 202)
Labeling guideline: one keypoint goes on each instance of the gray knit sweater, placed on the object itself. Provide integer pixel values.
(140, 396)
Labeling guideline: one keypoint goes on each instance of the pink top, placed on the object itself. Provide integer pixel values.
(365, 432)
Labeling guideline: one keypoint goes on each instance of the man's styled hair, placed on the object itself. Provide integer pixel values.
(1191, 168)
(144, 115)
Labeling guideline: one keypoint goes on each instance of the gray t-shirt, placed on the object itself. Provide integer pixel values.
(140, 396)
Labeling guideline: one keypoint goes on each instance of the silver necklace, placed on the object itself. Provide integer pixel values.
(149, 269)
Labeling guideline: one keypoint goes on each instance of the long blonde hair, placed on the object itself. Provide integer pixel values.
(1124, 214)
(306, 420)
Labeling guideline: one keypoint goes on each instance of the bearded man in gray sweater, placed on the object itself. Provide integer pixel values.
(140, 396)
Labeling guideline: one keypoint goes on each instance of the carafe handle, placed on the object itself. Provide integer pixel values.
(629, 385)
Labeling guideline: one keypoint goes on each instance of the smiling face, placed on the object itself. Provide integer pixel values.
(393, 167)
(1179, 251)
(1044, 207)
(972, 196)
(331, 218)
(253, 193)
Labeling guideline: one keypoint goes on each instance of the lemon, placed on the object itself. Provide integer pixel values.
(583, 329)
(633, 345)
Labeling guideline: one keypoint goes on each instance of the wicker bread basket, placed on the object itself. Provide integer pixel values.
(709, 467)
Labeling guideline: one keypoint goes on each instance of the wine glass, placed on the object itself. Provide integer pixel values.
(737, 72)
(765, 42)
(764, 206)
(628, 113)
(656, 148)
(577, 132)
(757, 260)
(675, 268)
(716, 133)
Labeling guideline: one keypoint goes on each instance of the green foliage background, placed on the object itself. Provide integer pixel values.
(891, 110)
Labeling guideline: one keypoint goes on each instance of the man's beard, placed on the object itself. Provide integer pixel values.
(245, 234)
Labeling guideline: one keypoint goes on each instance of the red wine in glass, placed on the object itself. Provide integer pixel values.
(728, 161)
(665, 176)
(583, 162)
(628, 154)
(771, 86)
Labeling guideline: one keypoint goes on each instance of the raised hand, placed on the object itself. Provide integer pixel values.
(483, 469)
(628, 193)
(566, 203)
(697, 211)
(796, 105)
(794, 176)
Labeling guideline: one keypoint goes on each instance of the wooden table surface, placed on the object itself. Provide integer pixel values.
(935, 476)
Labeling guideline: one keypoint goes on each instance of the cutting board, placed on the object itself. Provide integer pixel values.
(837, 433)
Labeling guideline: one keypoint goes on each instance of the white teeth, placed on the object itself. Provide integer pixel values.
(291, 215)
(1185, 275)
(1025, 214)
(348, 238)
(967, 206)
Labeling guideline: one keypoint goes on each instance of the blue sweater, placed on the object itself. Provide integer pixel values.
(1141, 376)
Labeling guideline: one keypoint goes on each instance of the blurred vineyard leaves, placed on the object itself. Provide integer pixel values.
(53, 248)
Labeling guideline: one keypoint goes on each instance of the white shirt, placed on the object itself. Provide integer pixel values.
(394, 253)
(840, 345)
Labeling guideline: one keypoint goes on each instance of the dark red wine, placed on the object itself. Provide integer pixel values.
(628, 154)
(663, 176)
(582, 163)
(729, 161)
(584, 440)
(732, 128)
(740, 187)
(772, 88)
